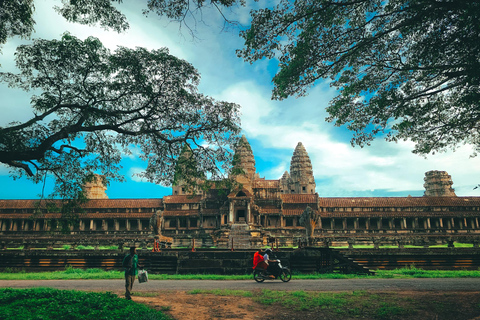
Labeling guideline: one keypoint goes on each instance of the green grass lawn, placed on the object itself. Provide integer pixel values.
(72, 273)
(47, 303)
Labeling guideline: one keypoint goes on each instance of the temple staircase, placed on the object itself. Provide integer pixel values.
(239, 237)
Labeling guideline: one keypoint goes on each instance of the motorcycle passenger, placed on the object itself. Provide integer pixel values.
(267, 261)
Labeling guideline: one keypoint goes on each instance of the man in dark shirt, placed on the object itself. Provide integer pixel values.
(130, 264)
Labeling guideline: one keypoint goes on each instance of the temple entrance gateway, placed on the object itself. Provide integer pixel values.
(240, 216)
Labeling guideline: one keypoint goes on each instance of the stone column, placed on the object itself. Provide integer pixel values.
(429, 224)
(139, 225)
(231, 218)
(344, 223)
(440, 220)
(332, 223)
(117, 224)
(356, 224)
(127, 224)
(92, 225)
(248, 214)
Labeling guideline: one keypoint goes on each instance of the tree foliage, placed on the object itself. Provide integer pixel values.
(404, 69)
(15, 19)
(92, 106)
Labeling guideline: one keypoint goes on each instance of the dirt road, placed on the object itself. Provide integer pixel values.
(456, 284)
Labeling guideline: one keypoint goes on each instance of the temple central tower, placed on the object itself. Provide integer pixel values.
(301, 172)
(244, 161)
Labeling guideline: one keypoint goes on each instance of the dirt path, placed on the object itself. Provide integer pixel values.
(181, 305)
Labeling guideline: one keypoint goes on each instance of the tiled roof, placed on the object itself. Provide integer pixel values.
(269, 210)
(399, 214)
(171, 213)
(94, 203)
(266, 184)
(133, 215)
(299, 198)
(182, 199)
(294, 212)
(375, 202)
(209, 212)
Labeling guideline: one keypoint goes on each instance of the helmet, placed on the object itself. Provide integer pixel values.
(268, 251)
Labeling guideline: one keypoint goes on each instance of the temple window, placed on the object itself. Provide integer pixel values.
(183, 222)
(193, 222)
(289, 222)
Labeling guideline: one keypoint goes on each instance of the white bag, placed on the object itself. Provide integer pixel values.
(142, 276)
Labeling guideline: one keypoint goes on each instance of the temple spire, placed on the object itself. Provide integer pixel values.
(244, 161)
(301, 172)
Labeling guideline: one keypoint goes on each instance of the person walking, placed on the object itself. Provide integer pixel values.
(130, 264)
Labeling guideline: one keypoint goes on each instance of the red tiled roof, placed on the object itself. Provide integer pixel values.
(209, 212)
(134, 215)
(176, 213)
(294, 212)
(375, 202)
(299, 198)
(399, 214)
(266, 184)
(94, 203)
(269, 211)
(182, 199)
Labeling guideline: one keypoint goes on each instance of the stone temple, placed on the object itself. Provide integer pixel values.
(258, 212)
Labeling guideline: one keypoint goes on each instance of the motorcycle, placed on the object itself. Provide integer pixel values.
(278, 272)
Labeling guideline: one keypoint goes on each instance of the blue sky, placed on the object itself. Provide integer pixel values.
(273, 128)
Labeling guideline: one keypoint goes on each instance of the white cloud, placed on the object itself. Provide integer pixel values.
(133, 174)
(382, 166)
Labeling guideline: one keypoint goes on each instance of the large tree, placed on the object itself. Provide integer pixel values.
(404, 69)
(91, 106)
(16, 16)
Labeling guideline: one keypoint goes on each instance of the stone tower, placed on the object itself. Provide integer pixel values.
(95, 189)
(244, 160)
(438, 184)
(285, 182)
(301, 172)
(186, 174)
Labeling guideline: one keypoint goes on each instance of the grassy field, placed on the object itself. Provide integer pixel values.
(47, 303)
(72, 273)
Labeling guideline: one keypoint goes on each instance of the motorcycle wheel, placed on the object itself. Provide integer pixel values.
(286, 275)
(258, 277)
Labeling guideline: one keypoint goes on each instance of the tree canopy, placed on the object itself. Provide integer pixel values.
(404, 69)
(16, 17)
(92, 106)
